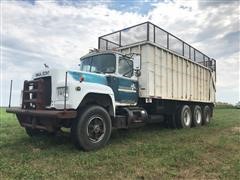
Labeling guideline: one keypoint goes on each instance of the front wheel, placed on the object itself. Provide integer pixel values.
(92, 129)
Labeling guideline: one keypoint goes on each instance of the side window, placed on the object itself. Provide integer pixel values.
(86, 65)
(125, 67)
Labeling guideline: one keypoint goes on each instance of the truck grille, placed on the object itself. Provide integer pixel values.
(37, 93)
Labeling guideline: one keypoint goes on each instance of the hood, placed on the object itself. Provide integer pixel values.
(47, 72)
(59, 74)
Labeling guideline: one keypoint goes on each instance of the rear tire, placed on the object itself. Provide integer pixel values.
(92, 129)
(197, 116)
(206, 115)
(184, 117)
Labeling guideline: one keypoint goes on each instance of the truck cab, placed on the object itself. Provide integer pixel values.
(118, 71)
(105, 83)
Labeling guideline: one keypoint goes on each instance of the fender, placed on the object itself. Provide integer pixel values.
(88, 86)
(76, 97)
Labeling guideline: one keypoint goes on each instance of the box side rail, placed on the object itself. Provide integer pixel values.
(149, 32)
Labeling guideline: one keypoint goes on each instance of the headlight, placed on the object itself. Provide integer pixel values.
(61, 92)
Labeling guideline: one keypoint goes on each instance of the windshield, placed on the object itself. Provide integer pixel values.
(103, 63)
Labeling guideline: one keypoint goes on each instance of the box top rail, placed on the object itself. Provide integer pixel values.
(148, 31)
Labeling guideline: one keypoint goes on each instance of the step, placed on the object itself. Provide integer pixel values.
(31, 101)
(32, 91)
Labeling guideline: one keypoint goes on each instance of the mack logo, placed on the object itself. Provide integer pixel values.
(131, 89)
(43, 73)
(133, 86)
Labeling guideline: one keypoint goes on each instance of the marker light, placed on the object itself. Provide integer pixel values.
(78, 88)
(81, 79)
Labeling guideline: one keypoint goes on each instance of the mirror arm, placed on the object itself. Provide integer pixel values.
(137, 72)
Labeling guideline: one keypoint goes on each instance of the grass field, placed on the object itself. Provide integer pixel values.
(151, 152)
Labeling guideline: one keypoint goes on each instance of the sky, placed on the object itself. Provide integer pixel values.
(58, 33)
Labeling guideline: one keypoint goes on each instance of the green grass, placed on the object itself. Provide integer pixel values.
(150, 152)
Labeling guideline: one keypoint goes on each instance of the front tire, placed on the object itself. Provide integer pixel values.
(92, 129)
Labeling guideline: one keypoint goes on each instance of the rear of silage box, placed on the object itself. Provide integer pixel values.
(166, 75)
(171, 68)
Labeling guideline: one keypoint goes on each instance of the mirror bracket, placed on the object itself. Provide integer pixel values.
(137, 72)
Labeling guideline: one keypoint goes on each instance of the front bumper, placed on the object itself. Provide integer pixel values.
(44, 113)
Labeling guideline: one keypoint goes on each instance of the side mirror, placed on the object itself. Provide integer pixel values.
(137, 73)
(136, 61)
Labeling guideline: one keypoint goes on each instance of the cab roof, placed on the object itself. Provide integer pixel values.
(97, 52)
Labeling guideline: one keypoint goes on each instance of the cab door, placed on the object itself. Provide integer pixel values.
(127, 91)
(124, 86)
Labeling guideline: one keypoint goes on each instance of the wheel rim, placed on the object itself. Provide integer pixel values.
(187, 117)
(207, 117)
(198, 116)
(96, 129)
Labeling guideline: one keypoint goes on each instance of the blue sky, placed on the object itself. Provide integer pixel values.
(142, 7)
(60, 32)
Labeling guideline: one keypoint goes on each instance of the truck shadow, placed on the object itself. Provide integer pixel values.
(63, 140)
(121, 135)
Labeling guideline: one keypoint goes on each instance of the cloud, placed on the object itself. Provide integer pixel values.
(213, 28)
(228, 82)
(59, 33)
(47, 32)
(216, 3)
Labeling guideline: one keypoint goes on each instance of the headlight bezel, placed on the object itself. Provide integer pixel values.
(60, 92)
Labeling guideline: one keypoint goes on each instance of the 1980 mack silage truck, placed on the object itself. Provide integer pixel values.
(138, 75)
